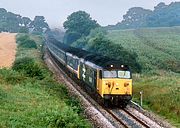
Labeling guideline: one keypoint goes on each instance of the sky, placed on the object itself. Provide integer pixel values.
(105, 12)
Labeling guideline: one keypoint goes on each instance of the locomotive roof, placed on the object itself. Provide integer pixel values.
(97, 59)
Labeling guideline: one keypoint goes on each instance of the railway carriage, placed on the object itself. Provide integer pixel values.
(107, 79)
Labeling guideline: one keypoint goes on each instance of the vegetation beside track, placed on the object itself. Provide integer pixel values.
(158, 51)
(30, 97)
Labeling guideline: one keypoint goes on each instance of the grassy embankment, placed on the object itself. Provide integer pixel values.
(159, 54)
(30, 97)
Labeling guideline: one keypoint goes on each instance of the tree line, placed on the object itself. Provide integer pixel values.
(10, 22)
(162, 16)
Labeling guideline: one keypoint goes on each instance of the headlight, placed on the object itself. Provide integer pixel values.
(109, 84)
(126, 84)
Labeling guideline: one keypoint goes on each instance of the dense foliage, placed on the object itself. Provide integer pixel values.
(162, 16)
(29, 67)
(83, 32)
(135, 18)
(78, 24)
(26, 42)
(30, 97)
(165, 15)
(96, 42)
(10, 22)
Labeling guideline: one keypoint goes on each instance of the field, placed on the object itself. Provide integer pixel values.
(29, 95)
(158, 51)
(7, 49)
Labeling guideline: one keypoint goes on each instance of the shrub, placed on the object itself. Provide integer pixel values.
(29, 67)
(22, 38)
(11, 77)
(65, 119)
(28, 43)
(25, 42)
(106, 47)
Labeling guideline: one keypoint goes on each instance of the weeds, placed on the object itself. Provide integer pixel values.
(30, 97)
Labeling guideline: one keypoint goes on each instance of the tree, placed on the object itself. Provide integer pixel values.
(135, 18)
(26, 21)
(79, 23)
(10, 22)
(165, 15)
(39, 25)
(23, 30)
(162, 16)
(83, 41)
(101, 45)
(160, 6)
(71, 37)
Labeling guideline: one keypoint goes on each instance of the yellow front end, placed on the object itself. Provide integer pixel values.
(115, 86)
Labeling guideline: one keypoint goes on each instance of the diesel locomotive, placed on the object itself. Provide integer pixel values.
(108, 80)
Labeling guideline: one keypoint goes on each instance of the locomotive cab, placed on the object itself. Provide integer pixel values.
(116, 85)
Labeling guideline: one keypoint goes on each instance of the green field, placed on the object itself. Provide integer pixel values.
(158, 51)
(29, 95)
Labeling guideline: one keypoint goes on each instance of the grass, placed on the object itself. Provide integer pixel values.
(161, 94)
(27, 101)
(156, 48)
(158, 51)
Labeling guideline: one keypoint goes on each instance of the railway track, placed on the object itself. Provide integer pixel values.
(127, 119)
(121, 117)
(136, 118)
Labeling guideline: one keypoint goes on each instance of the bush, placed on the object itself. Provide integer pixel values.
(11, 77)
(29, 67)
(97, 42)
(106, 47)
(66, 119)
(25, 42)
(28, 43)
(22, 38)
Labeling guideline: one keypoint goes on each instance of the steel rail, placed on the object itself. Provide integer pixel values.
(117, 118)
(137, 119)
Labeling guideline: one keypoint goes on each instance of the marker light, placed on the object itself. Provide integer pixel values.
(111, 66)
(122, 66)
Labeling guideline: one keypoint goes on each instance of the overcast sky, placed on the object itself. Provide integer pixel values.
(56, 11)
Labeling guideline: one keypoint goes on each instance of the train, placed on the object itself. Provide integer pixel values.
(109, 81)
